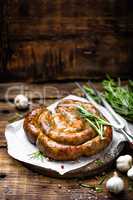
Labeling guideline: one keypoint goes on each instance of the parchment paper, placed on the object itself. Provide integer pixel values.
(21, 149)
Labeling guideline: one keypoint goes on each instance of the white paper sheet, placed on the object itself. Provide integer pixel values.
(21, 149)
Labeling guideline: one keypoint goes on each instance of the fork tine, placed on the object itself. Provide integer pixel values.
(127, 135)
(87, 96)
(93, 87)
(95, 91)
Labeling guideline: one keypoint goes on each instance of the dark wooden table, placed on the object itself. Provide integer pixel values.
(17, 181)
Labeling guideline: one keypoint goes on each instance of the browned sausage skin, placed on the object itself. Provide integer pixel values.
(64, 135)
(58, 151)
(68, 136)
(30, 124)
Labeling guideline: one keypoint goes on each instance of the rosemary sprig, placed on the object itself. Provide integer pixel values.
(99, 162)
(97, 188)
(101, 180)
(119, 97)
(37, 155)
(97, 123)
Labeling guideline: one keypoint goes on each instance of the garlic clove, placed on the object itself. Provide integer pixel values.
(124, 163)
(115, 184)
(130, 173)
(21, 102)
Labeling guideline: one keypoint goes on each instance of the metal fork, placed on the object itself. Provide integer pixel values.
(120, 125)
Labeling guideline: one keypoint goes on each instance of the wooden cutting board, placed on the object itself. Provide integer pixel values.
(94, 168)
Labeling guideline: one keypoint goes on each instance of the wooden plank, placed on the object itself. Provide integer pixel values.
(33, 18)
(57, 40)
(66, 17)
(55, 13)
(80, 58)
(38, 91)
(31, 29)
(40, 9)
(42, 91)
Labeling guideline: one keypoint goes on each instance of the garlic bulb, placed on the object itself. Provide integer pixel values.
(21, 101)
(115, 184)
(124, 163)
(130, 173)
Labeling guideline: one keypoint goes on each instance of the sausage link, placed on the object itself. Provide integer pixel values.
(58, 151)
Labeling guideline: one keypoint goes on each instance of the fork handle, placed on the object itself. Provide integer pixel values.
(112, 112)
(129, 138)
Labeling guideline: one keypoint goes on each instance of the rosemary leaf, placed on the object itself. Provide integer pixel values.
(102, 179)
(96, 122)
(99, 162)
(87, 186)
(119, 97)
(37, 155)
(97, 188)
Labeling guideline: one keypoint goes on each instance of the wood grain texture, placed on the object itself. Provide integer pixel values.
(39, 91)
(57, 40)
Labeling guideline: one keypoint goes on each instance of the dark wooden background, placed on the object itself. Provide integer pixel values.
(42, 40)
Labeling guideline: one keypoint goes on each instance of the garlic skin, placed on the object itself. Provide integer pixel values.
(124, 163)
(130, 173)
(115, 184)
(21, 102)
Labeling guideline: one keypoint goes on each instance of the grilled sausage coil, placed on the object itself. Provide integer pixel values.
(64, 134)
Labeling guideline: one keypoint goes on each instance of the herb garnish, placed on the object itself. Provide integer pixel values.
(97, 188)
(96, 122)
(101, 179)
(99, 162)
(119, 97)
(37, 155)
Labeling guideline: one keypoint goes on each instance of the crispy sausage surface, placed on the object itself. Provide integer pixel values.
(64, 135)
(30, 124)
(58, 151)
(66, 126)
